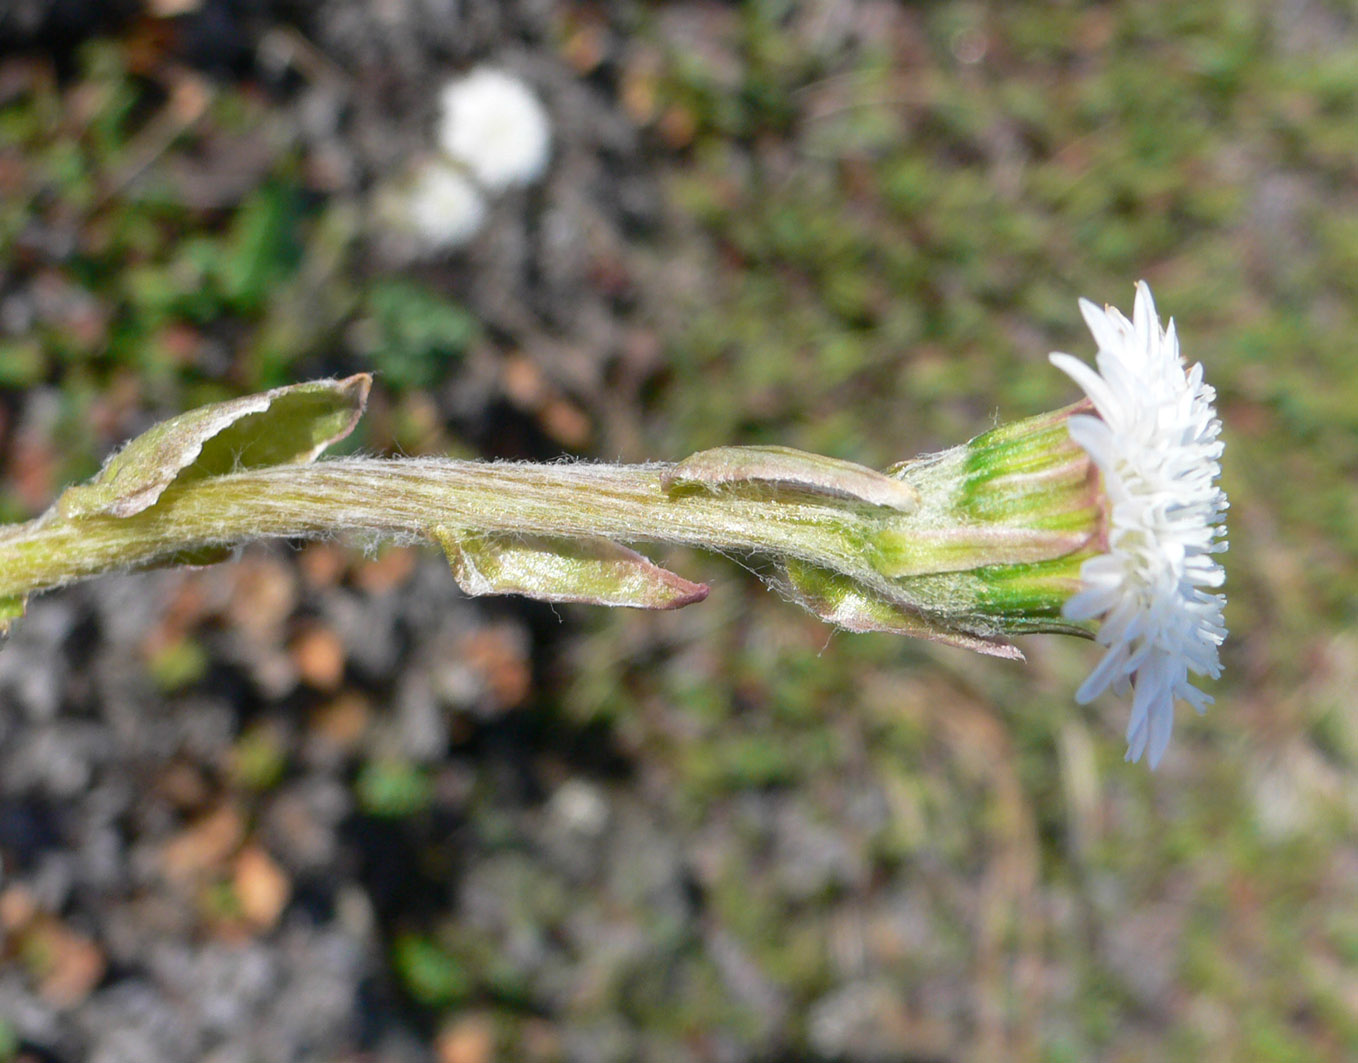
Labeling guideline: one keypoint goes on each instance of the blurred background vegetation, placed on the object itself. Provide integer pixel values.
(315, 806)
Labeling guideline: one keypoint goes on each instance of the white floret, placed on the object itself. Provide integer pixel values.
(492, 124)
(1155, 441)
(442, 207)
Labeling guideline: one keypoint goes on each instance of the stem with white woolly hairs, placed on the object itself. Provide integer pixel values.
(966, 547)
(405, 498)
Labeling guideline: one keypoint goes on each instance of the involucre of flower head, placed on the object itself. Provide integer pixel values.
(492, 123)
(1155, 442)
(441, 206)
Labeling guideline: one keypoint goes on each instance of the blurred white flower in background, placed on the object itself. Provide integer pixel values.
(492, 134)
(441, 206)
(1156, 444)
(492, 123)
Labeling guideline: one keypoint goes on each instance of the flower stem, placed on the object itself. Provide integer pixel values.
(917, 550)
(405, 499)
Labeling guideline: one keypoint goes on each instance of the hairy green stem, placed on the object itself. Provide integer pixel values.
(406, 498)
(933, 547)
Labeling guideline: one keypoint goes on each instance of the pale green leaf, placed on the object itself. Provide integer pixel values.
(789, 468)
(289, 424)
(839, 600)
(593, 571)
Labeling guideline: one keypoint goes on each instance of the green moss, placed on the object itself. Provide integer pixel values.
(421, 333)
(179, 664)
(392, 789)
(259, 758)
(431, 974)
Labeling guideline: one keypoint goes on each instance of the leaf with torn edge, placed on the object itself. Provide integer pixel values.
(286, 425)
(838, 600)
(786, 467)
(594, 572)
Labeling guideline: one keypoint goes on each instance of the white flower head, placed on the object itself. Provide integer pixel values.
(441, 206)
(1155, 444)
(491, 123)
